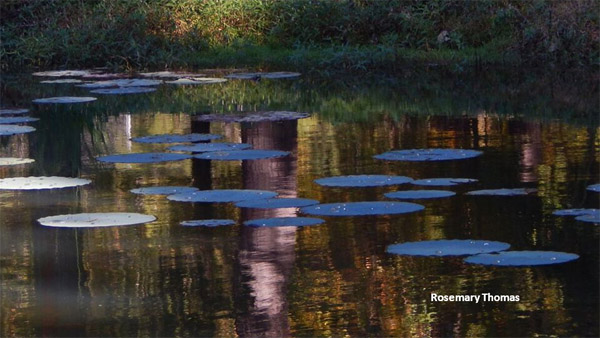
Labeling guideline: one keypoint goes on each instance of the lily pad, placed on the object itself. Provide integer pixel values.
(431, 154)
(196, 81)
(165, 190)
(453, 247)
(99, 76)
(64, 99)
(253, 117)
(522, 258)
(503, 192)
(204, 147)
(171, 75)
(211, 223)
(419, 194)
(143, 158)
(10, 129)
(574, 212)
(14, 161)
(17, 119)
(13, 111)
(91, 220)
(594, 187)
(176, 138)
(238, 155)
(63, 73)
(121, 83)
(284, 222)
(274, 203)
(61, 81)
(222, 195)
(443, 182)
(362, 208)
(41, 182)
(362, 181)
(123, 90)
(592, 217)
(264, 75)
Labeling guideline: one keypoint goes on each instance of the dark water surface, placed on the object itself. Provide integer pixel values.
(334, 279)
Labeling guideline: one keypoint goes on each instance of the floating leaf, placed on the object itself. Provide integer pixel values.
(259, 75)
(208, 223)
(284, 222)
(253, 117)
(176, 138)
(222, 195)
(362, 208)
(594, 187)
(9, 129)
(522, 258)
(419, 194)
(14, 161)
(165, 190)
(362, 181)
(61, 81)
(17, 119)
(274, 203)
(592, 217)
(64, 99)
(168, 74)
(143, 158)
(197, 81)
(105, 76)
(121, 83)
(238, 155)
(503, 192)
(443, 182)
(431, 154)
(63, 73)
(13, 111)
(204, 147)
(454, 247)
(123, 90)
(41, 182)
(90, 220)
(574, 212)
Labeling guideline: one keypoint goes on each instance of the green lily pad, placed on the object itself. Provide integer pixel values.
(121, 83)
(270, 116)
(443, 182)
(211, 223)
(63, 73)
(5, 161)
(17, 119)
(64, 99)
(502, 192)
(222, 195)
(205, 147)
(15, 111)
(431, 154)
(92, 220)
(123, 90)
(362, 181)
(164, 190)
(454, 247)
(284, 222)
(143, 158)
(11, 129)
(41, 182)
(275, 203)
(176, 138)
(62, 81)
(240, 155)
(362, 208)
(419, 194)
(522, 258)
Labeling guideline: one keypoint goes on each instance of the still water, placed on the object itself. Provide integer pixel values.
(334, 279)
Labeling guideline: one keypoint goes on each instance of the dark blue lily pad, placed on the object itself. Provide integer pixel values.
(222, 195)
(11, 129)
(362, 208)
(211, 223)
(574, 212)
(20, 119)
(503, 192)
(205, 147)
(238, 155)
(594, 187)
(284, 222)
(165, 190)
(143, 158)
(176, 138)
(443, 182)
(64, 99)
(123, 90)
(362, 181)
(419, 194)
(14, 111)
(592, 217)
(522, 258)
(431, 154)
(454, 247)
(274, 203)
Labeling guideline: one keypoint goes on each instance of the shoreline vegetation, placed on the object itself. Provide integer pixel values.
(298, 35)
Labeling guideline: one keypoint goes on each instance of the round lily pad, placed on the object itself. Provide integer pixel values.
(14, 161)
(431, 154)
(13, 111)
(574, 212)
(274, 203)
(64, 99)
(60, 81)
(10, 129)
(99, 76)
(454, 247)
(90, 220)
(208, 223)
(123, 90)
(594, 187)
(169, 74)
(362, 208)
(63, 73)
(196, 81)
(17, 119)
(264, 75)
(143, 158)
(121, 83)
(205, 147)
(284, 222)
(41, 182)
(522, 258)
(503, 192)
(419, 194)
(176, 138)
(362, 181)
(222, 195)
(253, 117)
(443, 182)
(165, 190)
(592, 217)
(238, 155)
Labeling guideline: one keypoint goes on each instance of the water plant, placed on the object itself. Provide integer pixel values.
(363, 181)
(92, 220)
(41, 182)
(222, 195)
(284, 222)
(362, 208)
(452, 247)
(522, 258)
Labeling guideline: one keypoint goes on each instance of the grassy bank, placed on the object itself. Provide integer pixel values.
(355, 35)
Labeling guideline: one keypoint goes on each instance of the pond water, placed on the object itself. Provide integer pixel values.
(331, 279)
